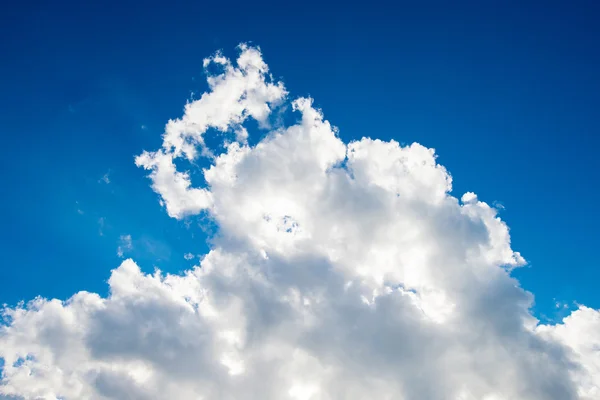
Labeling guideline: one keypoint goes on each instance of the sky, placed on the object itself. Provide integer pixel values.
(507, 93)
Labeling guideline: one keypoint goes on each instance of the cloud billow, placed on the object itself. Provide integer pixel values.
(340, 271)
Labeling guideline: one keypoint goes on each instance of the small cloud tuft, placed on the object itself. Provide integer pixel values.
(101, 225)
(125, 245)
(105, 178)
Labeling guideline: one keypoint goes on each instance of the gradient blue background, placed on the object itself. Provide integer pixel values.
(507, 92)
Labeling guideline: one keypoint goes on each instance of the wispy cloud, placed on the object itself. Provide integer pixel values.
(101, 225)
(125, 245)
(105, 178)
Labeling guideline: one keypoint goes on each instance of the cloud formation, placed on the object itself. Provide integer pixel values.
(340, 271)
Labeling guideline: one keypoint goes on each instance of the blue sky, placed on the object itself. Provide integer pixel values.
(507, 93)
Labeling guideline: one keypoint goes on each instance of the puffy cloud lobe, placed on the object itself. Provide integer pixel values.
(341, 271)
(581, 333)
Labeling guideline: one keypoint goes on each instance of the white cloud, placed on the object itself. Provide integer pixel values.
(125, 245)
(341, 271)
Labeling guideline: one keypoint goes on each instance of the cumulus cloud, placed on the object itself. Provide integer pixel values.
(340, 271)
